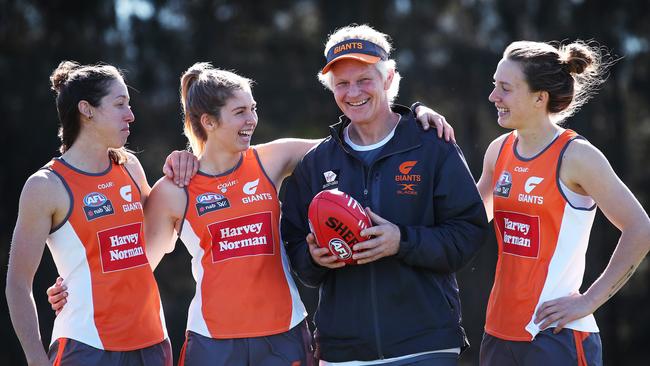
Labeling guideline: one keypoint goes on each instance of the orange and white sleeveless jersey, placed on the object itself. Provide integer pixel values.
(542, 240)
(231, 228)
(99, 250)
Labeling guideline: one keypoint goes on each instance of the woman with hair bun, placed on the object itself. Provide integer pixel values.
(87, 206)
(542, 183)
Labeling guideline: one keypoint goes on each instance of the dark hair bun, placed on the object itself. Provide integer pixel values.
(62, 74)
(578, 57)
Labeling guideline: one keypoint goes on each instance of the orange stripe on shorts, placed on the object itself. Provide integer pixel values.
(59, 351)
(579, 337)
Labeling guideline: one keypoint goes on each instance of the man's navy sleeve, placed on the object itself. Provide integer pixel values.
(294, 228)
(461, 222)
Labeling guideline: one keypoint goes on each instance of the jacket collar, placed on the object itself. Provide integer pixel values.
(406, 134)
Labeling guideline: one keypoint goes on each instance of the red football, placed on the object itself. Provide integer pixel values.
(336, 219)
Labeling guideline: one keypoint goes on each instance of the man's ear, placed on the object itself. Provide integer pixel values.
(389, 79)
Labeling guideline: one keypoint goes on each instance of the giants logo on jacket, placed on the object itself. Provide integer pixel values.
(406, 181)
(242, 236)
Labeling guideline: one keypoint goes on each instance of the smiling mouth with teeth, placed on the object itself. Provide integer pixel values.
(356, 104)
(246, 133)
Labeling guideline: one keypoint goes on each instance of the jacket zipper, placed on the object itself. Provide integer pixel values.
(366, 178)
(373, 289)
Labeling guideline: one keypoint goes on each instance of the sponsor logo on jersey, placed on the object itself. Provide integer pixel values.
(250, 188)
(407, 183)
(519, 233)
(339, 248)
(504, 184)
(121, 248)
(209, 202)
(521, 169)
(106, 185)
(125, 192)
(242, 237)
(330, 178)
(529, 186)
(223, 187)
(96, 205)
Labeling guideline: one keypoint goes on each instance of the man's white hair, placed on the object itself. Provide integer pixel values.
(367, 33)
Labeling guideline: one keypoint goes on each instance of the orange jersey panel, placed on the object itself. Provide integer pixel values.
(99, 250)
(231, 229)
(542, 239)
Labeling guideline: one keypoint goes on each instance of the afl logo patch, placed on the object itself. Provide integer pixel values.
(96, 205)
(210, 201)
(340, 248)
(504, 185)
(94, 199)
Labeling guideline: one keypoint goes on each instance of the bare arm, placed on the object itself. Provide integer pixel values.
(42, 204)
(280, 157)
(585, 170)
(163, 213)
(137, 172)
(484, 184)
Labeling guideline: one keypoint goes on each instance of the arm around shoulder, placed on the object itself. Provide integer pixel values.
(280, 157)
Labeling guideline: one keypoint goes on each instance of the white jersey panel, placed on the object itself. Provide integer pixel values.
(567, 266)
(195, 320)
(76, 320)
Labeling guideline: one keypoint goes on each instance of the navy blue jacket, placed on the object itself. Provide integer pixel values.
(406, 303)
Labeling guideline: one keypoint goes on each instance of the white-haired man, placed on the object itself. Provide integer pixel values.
(400, 304)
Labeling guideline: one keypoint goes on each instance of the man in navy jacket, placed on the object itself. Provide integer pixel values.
(400, 303)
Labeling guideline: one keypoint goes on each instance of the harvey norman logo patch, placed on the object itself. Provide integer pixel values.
(210, 201)
(519, 233)
(121, 248)
(242, 237)
(96, 205)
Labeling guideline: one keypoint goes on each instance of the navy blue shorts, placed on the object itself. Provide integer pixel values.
(429, 359)
(568, 347)
(68, 352)
(291, 348)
